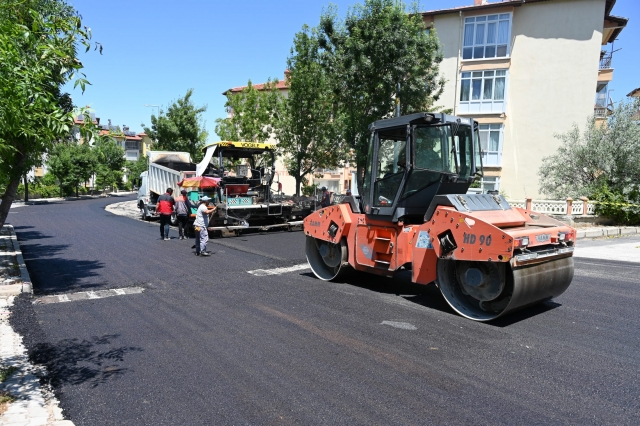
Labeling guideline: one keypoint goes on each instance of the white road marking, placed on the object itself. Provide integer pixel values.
(402, 325)
(279, 271)
(85, 295)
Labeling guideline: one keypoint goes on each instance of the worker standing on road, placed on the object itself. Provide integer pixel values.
(164, 208)
(325, 201)
(183, 211)
(200, 226)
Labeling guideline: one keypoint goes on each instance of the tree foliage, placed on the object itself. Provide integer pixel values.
(111, 161)
(252, 113)
(307, 135)
(72, 164)
(180, 129)
(376, 47)
(135, 168)
(602, 158)
(38, 40)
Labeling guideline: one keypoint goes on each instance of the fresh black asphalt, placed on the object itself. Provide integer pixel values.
(208, 343)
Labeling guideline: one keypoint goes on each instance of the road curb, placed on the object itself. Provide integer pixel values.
(24, 286)
(609, 231)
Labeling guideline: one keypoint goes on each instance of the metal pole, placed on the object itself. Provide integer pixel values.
(398, 100)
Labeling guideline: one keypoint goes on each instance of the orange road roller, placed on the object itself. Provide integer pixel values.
(414, 213)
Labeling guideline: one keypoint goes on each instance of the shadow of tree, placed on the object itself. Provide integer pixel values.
(50, 274)
(75, 361)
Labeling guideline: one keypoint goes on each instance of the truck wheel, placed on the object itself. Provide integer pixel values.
(174, 219)
(145, 213)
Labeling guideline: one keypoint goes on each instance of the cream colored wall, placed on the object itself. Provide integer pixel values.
(553, 70)
(448, 29)
(551, 84)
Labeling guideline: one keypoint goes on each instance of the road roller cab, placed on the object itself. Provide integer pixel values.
(487, 257)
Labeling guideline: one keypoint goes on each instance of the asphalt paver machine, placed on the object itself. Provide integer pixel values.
(486, 257)
(249, 193)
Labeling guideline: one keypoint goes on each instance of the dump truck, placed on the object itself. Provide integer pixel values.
(487, 258)
(249, 194)
(166, 169)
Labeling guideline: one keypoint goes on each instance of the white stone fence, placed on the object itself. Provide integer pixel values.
(568, 207)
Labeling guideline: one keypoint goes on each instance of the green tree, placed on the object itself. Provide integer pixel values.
(180, 129)
(111, 162)
(135, 168)
(305, 130)
(60, 163)
(376, 47)
(253, 112)
(38, 40)
(601, 158)
(72, 164)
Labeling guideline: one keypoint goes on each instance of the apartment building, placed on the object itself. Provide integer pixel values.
(525, 70)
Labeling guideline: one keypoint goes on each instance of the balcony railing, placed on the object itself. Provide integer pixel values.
(605, 62)
(600, 112)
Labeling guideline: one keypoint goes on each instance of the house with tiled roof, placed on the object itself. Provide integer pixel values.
(525, 70)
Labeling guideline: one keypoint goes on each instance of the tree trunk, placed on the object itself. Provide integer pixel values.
(77, 196)
(26, 188)
(10, 193)
(298, 181)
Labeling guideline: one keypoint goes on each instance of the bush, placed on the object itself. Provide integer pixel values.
(125, 186)
(37, 190)
(309, 190)
(622, 209)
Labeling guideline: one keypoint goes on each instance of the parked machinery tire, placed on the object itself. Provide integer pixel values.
(145, 213)
(483, 291)
(328, 261)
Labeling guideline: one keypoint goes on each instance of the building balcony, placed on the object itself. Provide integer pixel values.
(600, 112)
(605, 62)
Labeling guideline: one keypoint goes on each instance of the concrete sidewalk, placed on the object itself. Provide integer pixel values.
(34, 405)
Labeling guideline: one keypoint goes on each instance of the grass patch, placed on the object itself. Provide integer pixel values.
(6, 372)
(5, 399)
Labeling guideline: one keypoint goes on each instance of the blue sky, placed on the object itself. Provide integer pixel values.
(155, 50)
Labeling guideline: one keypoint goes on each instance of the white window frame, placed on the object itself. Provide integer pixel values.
(482, 104)
(480, 34)
(492, 158)
(489, 180)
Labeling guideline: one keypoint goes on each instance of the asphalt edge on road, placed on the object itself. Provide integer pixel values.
(33, 404)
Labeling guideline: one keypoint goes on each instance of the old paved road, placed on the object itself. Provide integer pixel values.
(208, 343)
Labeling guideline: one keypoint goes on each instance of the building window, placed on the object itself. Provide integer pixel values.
(131, 145)
(483, 91)
(491, 143)
(490, 183)
(486, 36)
(131, 155)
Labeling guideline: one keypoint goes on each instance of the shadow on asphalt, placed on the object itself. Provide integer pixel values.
(429, 295)
(69, 361)
(50, 274)
(75, 361)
